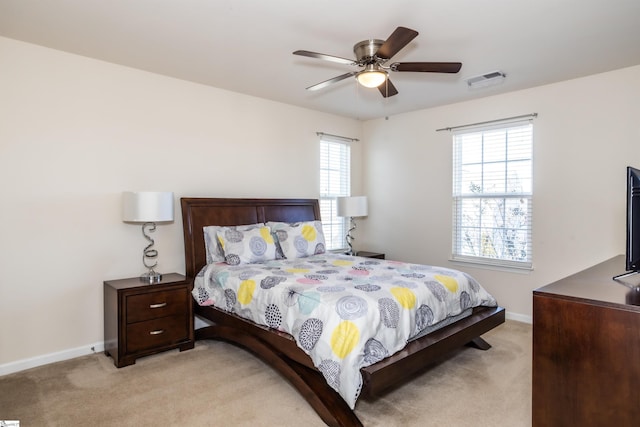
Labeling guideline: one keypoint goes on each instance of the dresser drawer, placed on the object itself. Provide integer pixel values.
(156, 333)
(153, 305)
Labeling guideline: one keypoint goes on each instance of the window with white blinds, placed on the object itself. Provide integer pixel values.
(492, 194)
(335, 181)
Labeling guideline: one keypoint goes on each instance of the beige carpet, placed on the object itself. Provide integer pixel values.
(217, 384)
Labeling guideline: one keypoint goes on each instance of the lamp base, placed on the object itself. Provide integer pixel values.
(151, 277)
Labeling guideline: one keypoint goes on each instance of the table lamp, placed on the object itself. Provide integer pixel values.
(352, 207)
(148, 208)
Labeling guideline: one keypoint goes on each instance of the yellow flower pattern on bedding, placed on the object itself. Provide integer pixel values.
(344, 338)
(309, 233)
(405, 297)
(448, 282)
(245, 292)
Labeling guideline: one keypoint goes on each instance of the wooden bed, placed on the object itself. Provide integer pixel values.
(279, 350)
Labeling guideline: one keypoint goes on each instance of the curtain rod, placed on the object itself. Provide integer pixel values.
(342, 138)
(532, 116)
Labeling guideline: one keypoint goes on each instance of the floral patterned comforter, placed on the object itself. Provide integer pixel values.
(345, 312)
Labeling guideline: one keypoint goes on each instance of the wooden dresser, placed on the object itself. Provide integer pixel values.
(586, 350)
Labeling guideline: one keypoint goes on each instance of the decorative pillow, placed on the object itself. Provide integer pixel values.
(212, 244)
(300, 239)
(246, 247)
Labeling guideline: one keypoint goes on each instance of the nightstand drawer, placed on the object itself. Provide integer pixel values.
(157, 333)
(156, 304)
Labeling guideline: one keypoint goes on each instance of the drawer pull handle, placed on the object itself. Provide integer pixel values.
(162, 304)
(158, 332)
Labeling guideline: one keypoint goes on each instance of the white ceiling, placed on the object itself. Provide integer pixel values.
(246, 45)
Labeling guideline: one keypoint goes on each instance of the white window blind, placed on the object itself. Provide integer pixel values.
(335, 181)
(492, 194)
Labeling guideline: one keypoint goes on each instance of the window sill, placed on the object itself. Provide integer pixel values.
(497, 266)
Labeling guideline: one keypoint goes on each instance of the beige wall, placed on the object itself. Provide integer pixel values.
(587, 132)
(77, 132)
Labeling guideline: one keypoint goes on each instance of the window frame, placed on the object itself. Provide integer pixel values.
(499, 235)
(335, 181)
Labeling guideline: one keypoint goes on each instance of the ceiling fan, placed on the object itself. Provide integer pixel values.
(372, 55)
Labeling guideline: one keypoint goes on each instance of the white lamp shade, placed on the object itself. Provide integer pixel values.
(352, 206)
(147, 206)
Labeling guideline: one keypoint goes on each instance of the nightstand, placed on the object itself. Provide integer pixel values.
(370, 254)
(142, 319)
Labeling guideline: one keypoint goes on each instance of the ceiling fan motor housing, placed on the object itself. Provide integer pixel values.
(366, 50)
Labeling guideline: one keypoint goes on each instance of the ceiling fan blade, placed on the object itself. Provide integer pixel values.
(427, 67)
(387, 89)
(324, 57)
(332, 81)
(396, 41)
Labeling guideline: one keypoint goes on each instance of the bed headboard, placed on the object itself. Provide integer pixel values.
(200, 212)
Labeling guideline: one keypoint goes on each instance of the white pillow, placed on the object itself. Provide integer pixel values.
(300, 239)
(247, 247)
(212, 244)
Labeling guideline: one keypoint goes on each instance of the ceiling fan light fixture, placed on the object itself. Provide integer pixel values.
(371, 76)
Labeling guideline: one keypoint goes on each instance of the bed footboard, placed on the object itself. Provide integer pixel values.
(421, 353)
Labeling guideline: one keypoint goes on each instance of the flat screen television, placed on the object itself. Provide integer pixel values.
(632, 255)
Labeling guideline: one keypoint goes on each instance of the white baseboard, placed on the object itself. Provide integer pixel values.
(45, 359)
(519, 317)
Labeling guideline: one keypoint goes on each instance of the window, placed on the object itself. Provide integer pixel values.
(335, 175)
(492, 194)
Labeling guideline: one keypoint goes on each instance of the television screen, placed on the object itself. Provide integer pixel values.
(633, 219)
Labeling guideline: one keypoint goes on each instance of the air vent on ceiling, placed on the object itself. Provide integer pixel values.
(488, 79)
